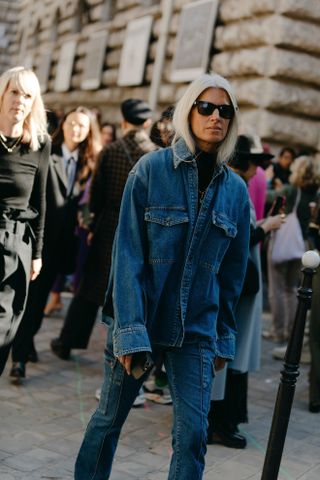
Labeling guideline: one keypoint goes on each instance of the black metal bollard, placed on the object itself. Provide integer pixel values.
(290, 373)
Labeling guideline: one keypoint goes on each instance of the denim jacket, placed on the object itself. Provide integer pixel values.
(177, 269)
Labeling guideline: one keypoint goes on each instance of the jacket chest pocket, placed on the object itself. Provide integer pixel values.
(222, 231)
(167, 229)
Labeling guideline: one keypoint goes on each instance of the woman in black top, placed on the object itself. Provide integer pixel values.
(24, 153)
(75, 146)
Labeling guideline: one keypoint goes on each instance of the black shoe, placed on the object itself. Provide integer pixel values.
(60, 350)
(18, 371)
(314, 407)
(228, 439)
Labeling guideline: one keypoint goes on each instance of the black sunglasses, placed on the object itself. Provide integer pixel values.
(207, 108)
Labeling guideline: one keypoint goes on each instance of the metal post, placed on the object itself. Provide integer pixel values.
(290, 373)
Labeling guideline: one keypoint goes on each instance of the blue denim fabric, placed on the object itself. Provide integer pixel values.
(177, 269)
(190, 374)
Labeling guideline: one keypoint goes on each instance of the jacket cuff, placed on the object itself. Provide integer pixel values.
(226, 346)
(129, 340)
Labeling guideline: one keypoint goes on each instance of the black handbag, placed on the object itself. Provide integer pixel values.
(251, 282)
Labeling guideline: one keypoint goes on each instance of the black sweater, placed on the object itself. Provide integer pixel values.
(23, 175)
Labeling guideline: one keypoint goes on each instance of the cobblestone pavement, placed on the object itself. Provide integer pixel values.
(42, 422)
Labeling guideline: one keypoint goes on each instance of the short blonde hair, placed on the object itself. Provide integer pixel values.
(305, 172)
(181, 120)
(35, 124)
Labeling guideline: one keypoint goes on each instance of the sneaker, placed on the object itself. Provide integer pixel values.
(97, 394)
(140, 399)
(156, 394)
(279, 352)
(305, 358)
(274, 337)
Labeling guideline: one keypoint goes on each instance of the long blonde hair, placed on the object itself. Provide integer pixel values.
(35, 124)
(305, 172)
(182, 111)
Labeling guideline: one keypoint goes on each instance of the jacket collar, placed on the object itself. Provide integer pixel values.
(181, 153)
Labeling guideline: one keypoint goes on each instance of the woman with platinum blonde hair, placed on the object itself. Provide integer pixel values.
(178, 264)
(185, 105)
(24, 154)
(34, 126)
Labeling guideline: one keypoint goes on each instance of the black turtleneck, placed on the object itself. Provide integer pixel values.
(206, 163)
(23, 175)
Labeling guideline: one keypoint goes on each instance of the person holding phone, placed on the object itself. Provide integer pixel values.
(178, 264)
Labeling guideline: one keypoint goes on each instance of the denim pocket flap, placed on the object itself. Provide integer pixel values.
(166, 217)
(220, 220)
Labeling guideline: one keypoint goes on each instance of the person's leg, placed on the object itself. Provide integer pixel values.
(4, 354)
(190, 374)
(33, 315)
(15, 266)
(118, 392)
(79, 322)
(292, 270)
(237, 397)
(54, 302)
(77, 327)
(225, 415)
(276, 292)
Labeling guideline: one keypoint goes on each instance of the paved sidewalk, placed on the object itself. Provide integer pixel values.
(42, 423)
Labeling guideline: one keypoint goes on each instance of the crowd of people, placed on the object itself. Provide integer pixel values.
(177, 229)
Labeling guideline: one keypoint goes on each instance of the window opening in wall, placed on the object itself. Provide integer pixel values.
(82, 17)
(108, 10)
(35, 35)
(3, 36)
(55, 26)
(148, 3)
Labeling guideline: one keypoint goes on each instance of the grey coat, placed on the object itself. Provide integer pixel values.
(249, 318)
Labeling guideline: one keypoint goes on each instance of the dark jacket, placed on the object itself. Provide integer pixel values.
(60, 242)
(107, 186)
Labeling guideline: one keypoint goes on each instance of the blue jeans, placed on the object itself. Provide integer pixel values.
(190, 373)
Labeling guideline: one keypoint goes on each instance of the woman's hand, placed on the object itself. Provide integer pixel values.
(35, 268)
(219, 363)
(125, 361)
(269, 172)
(273, 223)
(277, 184)
(89, 238)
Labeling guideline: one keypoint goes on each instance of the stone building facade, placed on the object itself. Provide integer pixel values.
(9, 12)
(268, 49)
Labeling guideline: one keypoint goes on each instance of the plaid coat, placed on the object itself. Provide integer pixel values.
(114, 165)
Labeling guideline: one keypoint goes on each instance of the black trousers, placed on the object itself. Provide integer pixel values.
(32, 319)
(15, 269)
(4, 354)
(79, 322)
(226, 414)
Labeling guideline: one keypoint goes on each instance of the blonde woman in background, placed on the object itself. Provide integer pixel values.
(283, 277)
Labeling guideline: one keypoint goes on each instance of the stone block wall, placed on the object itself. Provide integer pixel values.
(268, 49)
(9, 11)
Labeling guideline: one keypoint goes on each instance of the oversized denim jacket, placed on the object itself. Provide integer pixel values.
(176, 267)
